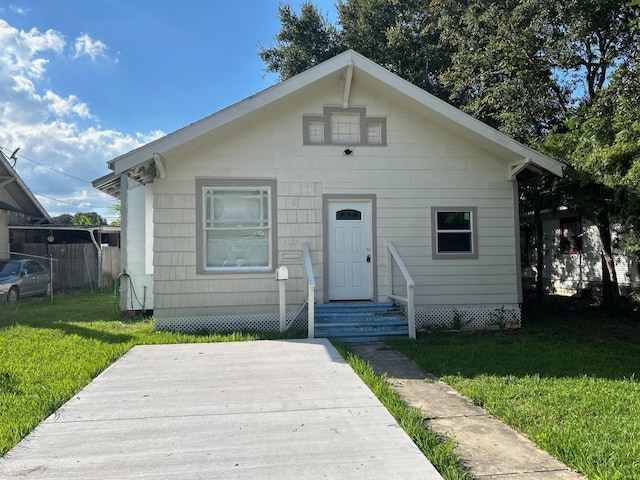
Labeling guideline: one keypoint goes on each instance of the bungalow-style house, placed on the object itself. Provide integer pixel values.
(572, 256)
(365, 187)
(18, 206)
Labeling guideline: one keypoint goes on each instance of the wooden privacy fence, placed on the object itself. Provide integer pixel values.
(75, 265)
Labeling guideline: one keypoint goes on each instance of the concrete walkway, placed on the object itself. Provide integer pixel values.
(489, 448)
(267, 409)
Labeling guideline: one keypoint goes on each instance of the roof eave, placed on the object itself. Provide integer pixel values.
(342, 62)
(25, 190)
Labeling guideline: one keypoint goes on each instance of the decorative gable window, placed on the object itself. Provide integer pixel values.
(570, 235)
(454, 232)
(374, 133)
(344, 126)
(236, 225)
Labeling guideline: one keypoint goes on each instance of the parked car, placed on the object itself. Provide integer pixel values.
(23, 278)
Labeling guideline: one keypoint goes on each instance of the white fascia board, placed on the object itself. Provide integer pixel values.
(451, 114)
(445, 112)
(244, 107)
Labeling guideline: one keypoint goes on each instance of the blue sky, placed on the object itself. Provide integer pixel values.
(84, 81)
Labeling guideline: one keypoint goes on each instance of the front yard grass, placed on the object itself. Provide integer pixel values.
(569, 380)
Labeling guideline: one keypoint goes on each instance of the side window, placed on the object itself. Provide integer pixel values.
(454, 232)
(235, 226)
(570, 235)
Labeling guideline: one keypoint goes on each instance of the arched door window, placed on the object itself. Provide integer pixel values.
(348, 214)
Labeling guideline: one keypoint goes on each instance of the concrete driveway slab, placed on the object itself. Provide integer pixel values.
(265, 409)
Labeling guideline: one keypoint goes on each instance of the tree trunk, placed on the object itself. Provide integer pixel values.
(610, 292)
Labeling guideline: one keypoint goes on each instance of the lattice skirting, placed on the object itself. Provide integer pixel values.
(261, 322)
(480, 316)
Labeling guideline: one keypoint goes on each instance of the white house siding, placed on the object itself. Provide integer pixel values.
(136, 287)
(423, 165)
(571, 273)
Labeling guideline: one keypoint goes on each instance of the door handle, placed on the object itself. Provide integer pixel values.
(368, 258)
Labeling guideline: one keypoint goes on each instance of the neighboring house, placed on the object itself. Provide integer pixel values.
(348, 160)
(18, 206)
(572, 256)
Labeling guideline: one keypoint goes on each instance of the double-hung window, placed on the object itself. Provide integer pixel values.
(236, 221)
(454, 232)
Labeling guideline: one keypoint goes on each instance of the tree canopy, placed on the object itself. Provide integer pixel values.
(81, 218)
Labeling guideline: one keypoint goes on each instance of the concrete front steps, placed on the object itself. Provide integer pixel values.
(360, 321)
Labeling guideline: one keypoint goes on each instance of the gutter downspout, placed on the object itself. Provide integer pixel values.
(99, 252)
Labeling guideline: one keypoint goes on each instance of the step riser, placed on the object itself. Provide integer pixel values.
(360, 316)
(363, 336)
(366, 321)
(361, 322)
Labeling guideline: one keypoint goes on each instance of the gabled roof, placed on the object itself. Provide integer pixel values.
(25, 201)
(143, 166)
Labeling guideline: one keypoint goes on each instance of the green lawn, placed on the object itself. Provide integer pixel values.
(49, 351)
(568, 380)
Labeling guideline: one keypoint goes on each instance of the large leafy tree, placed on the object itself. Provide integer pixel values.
(304, 40)
(394, 34)
(601, 138)
(398, 35)
(602, 147)
(88, 218)
(501, 69)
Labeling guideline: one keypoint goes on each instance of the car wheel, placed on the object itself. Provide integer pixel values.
(12, 295)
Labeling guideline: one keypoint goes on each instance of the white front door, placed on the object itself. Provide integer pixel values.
(350, 250)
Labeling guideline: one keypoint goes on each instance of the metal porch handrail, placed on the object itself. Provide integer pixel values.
(392, 255)
(311, 289)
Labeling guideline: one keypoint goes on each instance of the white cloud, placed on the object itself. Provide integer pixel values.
(87, 46)
(18, 10)
(19, 50)
(55, 130)
(62, 107)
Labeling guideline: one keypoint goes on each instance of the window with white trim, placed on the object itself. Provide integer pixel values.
(236, 227)
(454, 232)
